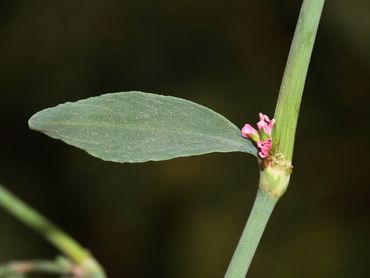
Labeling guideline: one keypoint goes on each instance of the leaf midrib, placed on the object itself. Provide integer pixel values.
(181, 131)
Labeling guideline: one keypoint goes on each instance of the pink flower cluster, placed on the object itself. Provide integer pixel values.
(263, 136)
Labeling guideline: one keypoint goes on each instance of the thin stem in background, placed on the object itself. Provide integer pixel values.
(50, 232)
(59, 266)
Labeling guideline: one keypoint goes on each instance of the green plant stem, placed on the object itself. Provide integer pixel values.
(50, 232)
(275, 171)
(261, 211)
(291, 90)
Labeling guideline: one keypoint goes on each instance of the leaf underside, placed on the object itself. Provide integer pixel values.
(138, 127)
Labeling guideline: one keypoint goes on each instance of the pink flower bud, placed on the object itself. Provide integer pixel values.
(249, 132)
(265, 124)
(262, 136)
(263, 154)
(264, 117)
(265, 146)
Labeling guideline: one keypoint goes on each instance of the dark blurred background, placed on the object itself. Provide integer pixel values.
(183, 217)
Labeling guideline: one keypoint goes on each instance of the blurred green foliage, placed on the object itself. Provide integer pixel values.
(183, 217)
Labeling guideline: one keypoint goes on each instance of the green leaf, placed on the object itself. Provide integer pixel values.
(138, 127)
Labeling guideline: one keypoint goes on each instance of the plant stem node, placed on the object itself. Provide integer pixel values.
(275, 174)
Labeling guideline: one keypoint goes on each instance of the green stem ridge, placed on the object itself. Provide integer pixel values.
(244, 252)
(276, 170)
(288, 104)
(50, 232)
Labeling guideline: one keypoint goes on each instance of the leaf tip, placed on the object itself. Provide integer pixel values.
(32, 122)
(36, 121)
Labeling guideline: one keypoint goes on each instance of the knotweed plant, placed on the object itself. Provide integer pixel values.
(137, 127)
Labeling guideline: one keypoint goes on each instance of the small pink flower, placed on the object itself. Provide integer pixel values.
(263, 154)
(265, 146)
(249, 132)
(266, 124)
(262, 136)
